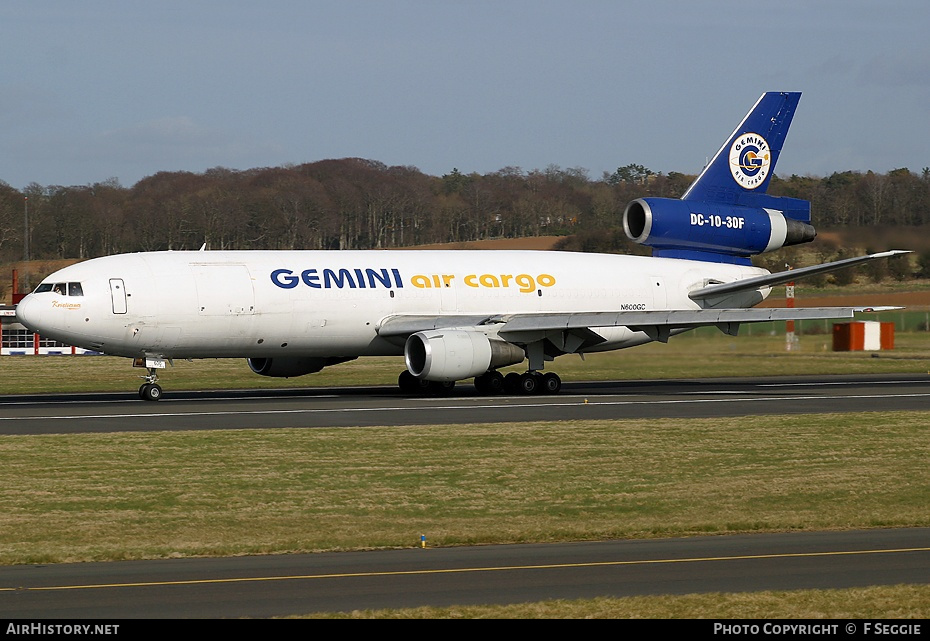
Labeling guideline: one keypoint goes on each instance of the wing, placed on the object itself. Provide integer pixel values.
(658, 325)
(545, 335)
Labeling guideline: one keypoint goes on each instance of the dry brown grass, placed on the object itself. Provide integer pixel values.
(886, 602)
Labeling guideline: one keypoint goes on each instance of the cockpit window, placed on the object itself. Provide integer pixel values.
(62, 289)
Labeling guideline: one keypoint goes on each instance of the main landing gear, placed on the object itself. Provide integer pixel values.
(490, 383)
(150, 390)
(493, 382)
(532, 383)
(410, 384)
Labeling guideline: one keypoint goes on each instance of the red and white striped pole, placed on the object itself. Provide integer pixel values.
(791, 340)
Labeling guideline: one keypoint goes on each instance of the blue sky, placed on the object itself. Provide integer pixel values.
(92, 90)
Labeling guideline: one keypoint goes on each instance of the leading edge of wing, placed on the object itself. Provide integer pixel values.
(407, 324)
(674, 318)
(404, 325)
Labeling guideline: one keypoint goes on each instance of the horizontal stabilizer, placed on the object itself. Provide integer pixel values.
(758, 282)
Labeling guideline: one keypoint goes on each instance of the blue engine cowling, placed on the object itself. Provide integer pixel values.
(711, 231)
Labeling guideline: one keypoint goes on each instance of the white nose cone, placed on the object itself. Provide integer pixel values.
(26, 312)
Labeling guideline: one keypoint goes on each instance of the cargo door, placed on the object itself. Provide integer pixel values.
(224, 290)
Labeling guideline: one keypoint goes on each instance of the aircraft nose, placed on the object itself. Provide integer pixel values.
(26, 312)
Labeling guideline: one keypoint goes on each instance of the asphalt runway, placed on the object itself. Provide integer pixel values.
(265, 586)
(361, 407)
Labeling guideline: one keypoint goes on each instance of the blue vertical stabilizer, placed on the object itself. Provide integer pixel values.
(745, 163)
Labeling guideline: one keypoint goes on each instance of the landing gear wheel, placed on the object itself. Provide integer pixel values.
(481, 384)
(530, 383)
(150, 392)
(512, 383)
(495, 382)
(408, 383)
(551, 383)
(441, 388)
(490, 383)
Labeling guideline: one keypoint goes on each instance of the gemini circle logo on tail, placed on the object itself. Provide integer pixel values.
(750, 160)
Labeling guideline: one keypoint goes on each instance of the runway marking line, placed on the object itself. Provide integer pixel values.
(848, 383)
(563, 396)
(553, 566)
(344, 410)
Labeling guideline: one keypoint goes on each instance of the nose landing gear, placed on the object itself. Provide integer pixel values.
(150, 390)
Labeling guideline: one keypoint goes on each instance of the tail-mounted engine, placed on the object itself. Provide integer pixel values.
(726, 215)
(676, 228)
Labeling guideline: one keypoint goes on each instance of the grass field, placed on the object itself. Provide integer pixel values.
(147, 494)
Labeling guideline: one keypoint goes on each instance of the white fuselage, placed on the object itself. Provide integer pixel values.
(331, 303)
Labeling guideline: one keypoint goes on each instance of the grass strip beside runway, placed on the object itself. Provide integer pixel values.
(700, 354)
(156, 494)
(884, 603)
